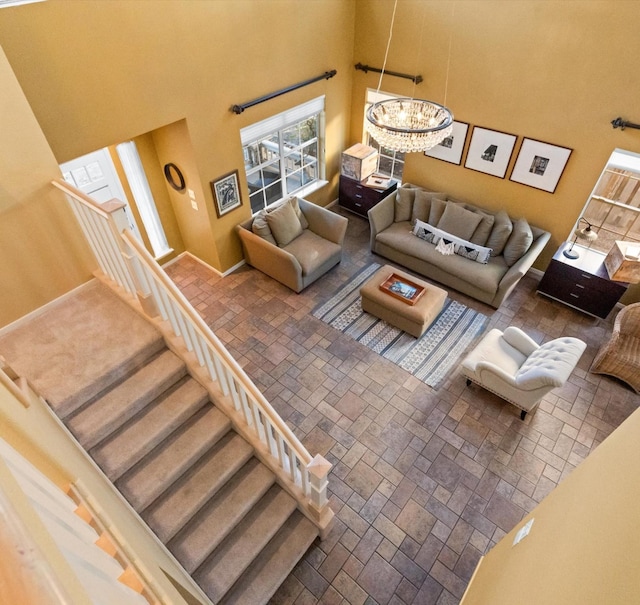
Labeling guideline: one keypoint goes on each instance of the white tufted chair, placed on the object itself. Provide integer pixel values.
(514, 367)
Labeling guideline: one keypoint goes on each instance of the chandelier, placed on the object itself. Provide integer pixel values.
(409, 125)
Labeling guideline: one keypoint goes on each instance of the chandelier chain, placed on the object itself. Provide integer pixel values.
(386, 53)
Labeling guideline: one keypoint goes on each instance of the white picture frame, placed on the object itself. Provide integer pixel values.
(450, 149)
(490, 151)
(540, 164)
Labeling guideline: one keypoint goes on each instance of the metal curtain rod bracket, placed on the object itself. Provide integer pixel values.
(238, 109)
(366, 68)
(622, 124)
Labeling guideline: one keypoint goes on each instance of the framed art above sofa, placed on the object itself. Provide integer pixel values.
(490, 151)
(451, 148)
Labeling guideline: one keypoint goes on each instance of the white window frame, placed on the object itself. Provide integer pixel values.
(395, 157)
(275, 126)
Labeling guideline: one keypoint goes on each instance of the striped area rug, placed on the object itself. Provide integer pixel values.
(430, 357)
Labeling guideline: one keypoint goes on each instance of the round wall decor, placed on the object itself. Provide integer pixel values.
(174, 177)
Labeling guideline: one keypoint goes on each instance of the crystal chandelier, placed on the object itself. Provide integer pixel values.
(409, 125)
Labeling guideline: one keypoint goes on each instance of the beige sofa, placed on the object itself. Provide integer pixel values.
(514, 244)
(294, 251)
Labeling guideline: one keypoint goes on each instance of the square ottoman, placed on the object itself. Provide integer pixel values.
(413, 319)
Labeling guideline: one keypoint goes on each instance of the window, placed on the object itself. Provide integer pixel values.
(284, 154)
(614, 205)
(390, 163)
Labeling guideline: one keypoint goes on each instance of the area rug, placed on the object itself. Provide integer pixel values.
(430, 357)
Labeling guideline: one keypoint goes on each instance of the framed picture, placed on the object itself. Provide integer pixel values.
(226, 193)
(490, 151)
(540, 165)
(451, 148)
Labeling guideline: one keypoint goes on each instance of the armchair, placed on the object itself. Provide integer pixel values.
(517, 369)
(304, 259)
(620, 357)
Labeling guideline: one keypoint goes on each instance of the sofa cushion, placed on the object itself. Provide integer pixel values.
(284, 224)
(483, 230)
(460, 246)
(458, 221)
(422, 204)
(518, 243)
(260, 227)
(500, 233)
(404, 204)
(487, 277)
(304, 223)
(312, 251)
(437, 210)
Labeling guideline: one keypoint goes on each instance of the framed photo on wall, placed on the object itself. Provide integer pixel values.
(451, 148)
(540, 165)
(490, 151)
(226, 193)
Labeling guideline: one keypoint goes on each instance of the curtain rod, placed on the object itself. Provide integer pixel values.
(622, 124)
(238, 109)
(366, 68)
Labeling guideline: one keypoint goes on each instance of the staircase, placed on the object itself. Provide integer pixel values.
(175, 457)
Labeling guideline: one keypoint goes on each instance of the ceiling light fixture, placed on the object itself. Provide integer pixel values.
(408, 124)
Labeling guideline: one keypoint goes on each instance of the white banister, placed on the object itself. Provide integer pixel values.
(126, 262)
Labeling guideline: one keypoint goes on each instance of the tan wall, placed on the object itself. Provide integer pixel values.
(583, 545)
(35, 434)
(551, 70)
(98, 73)
(42, 253)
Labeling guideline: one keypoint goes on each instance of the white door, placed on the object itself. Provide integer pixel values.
(95, 175)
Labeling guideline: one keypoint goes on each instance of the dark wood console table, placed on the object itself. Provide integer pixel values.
(582, 283)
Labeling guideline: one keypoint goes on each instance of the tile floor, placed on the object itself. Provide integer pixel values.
(424, 481)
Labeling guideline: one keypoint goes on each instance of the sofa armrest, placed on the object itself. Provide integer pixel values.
(381, 216)
(517, 271)
(328, 225)
(272, 260)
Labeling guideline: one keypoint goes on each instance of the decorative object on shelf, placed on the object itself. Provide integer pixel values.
(226, 193)
(540, 165)
(174, 177)
(408, 124)
(623, 262)
(450, 148)
(586, 234)
(238, 109)
(490, 151)
(622, 124)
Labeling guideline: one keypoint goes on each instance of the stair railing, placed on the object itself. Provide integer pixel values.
(126, 262)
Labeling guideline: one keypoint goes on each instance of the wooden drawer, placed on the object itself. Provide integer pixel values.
(357, 197)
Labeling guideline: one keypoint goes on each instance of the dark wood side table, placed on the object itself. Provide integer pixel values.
(582, 283)
(358, 198)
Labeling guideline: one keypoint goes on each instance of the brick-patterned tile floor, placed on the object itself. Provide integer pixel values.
(424, 481)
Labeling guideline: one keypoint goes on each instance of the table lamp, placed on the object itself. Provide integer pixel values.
(586, 234)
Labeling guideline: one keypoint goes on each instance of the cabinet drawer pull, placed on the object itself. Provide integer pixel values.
(358, 195)
(579, 286)
(584, 276)
(574, 295)
(356, 204)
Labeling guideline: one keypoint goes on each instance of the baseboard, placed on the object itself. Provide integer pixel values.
(204, 264)
(40, 310)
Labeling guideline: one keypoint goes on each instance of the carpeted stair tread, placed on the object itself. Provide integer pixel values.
(218, 518)
(276, 561)
(218, 573)
(118, 454)
(164, 465)
(174, 509)
(108, 413)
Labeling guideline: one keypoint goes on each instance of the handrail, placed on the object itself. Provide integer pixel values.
(231, 364)
(105, 209)
(8, 378)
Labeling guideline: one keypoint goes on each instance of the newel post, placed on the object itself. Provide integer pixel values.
(318, 470)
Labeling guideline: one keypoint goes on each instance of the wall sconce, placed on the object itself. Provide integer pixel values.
(586, 234)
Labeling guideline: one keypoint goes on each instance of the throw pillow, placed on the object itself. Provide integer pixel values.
(422, 205)
(461, 247)
(301, 217)
(483, 230)
(500, 233)
(284, 224)
(458, 221)
(404, 204)
(437, 210)
(519, 242)
(260, 227)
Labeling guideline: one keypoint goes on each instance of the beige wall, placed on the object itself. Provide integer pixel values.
(42, 253)
(583, 545)
(550, 70)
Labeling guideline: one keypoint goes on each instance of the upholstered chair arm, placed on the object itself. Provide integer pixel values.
(628, 320)
(520, 341)
(325, 223)
(493, 375)
(381, 216)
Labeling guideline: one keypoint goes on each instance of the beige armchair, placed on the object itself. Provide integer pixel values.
(620, 357)
(517, 369)
(315, 248)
